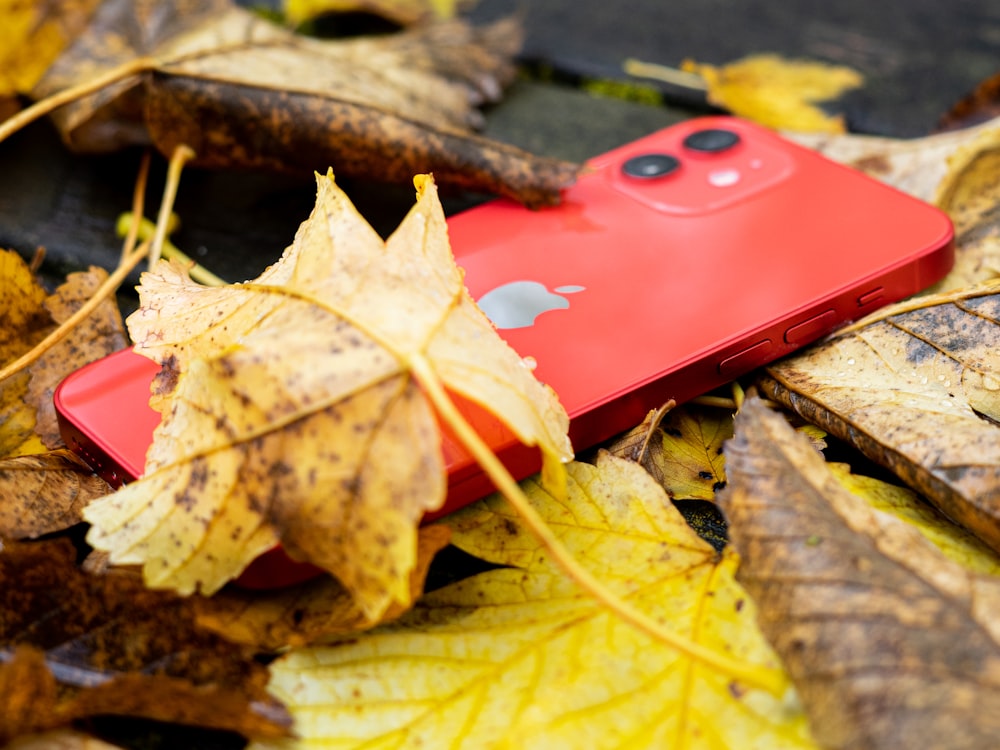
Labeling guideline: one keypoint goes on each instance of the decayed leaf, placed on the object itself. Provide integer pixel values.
(297, 417)
(776, 92)
(242, 92)
(25, 323)
(405, 12)
(45, 493)
(75, 646)
(982, 104)
(683, 452)
(303, 614)
(890, 644)
(520, 657)
(99, 334)
(32, 35)
(970, 194)
(955, 542)
(908, 392)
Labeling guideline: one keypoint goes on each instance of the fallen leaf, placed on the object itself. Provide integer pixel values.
(521, 657)
(99, 334)
(982, 104)
(911, 392)
(76, 645)
(242, 92)
(955, 542)
(33, 34)
(25, 323)
(889, 643)
(970, 194)
(303, 614)
(403, 12)
(45, 493)
(297, 416)
(776, 92)
(59, 740)
(683, 451)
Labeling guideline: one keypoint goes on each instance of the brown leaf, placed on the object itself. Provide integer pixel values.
(303, 614)
(45, 493)
(113, 647)
(979, 106)
(245, 93)
(908, 392)
(100, 334)
(890, 645)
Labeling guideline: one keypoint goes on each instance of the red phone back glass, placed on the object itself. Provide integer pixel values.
(666, 287)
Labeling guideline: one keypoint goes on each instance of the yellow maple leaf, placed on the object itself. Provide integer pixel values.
(301, 413)
(776, 92)
(521, 657)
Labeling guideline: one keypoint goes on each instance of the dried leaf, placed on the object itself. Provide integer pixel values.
(979, 106)
(404, 12)
(683, 452)
(33, 34)
(100, 334)
(520, 657)
(970, 194)
(296, 417)
(776, 92)
(955, 543)
(63, 739)
(303, 614)
(45, 493)
(25, 323)
(911, 392)
(890, 644)
(243, 92)
(77, 646)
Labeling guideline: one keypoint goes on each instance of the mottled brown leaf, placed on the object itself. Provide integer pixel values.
(303, 614)
(99, 334)
(890, 644)
(43, 493)
(919, 393)
(980, 105)
(243, 92)
(110, 646)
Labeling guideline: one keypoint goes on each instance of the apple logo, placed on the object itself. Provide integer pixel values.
(516, 304)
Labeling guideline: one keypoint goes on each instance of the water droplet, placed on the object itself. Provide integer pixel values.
(530, 362)
(850, 361)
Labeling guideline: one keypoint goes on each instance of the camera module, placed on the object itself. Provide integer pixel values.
(711, 140)
(650, 166)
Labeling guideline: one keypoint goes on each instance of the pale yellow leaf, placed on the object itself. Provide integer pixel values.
(296, 417)
(519, 657)
(400, 11)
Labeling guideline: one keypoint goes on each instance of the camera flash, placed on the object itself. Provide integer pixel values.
(724, 177)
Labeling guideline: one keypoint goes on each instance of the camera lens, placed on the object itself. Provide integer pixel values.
(649, 166)
(711, 141)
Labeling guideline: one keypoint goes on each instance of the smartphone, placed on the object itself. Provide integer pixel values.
(675, 264)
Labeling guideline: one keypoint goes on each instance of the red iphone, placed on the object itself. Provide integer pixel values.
(675, 264)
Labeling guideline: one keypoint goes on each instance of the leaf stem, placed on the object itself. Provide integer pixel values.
(50, 103)
(772, 680)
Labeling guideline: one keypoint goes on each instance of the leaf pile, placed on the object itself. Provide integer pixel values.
(243, 92)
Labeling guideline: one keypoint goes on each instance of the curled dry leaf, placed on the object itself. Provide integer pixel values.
(75, 646)
(45, 493)
(776, 92)
(890, 644)
(521, 657)
(918, 392)
(242, 92)
(296, 415)
(304, 614)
